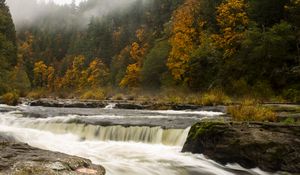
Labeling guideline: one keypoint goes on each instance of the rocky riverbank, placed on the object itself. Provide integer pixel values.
(21, 159)
(271, 147)
(119, 104)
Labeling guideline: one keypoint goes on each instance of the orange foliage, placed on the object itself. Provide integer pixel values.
(97, 73)
(131, 78)
(183, 38)
(233, 21)
(74, 77)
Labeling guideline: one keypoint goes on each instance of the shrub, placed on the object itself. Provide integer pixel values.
(10, 98)
(97, 94)
(215, 97)
(293, 95)
(118, 97)
(249, 110)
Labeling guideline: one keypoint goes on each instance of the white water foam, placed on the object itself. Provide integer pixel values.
(123, 158)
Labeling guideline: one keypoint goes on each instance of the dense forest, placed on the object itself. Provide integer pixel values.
(239, 47)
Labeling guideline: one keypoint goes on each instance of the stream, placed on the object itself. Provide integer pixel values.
(125, 142)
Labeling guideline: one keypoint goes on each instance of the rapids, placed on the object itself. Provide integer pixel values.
(121, 149)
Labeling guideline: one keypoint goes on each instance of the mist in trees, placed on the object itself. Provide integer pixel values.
(244, 47)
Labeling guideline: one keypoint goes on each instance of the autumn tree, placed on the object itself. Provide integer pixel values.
(137, 52)
(98, 73)
(233, 21)
(131, 78)
(40, 74)
(183, 36)
(75, 75)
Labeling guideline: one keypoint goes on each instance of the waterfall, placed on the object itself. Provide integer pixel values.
(153, 135)
(110, 106)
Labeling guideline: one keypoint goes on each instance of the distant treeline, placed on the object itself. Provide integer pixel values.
(243, 47)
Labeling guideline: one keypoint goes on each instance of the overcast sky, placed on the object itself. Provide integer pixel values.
(63, 1)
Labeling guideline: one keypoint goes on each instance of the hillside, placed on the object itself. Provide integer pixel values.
(239, 47)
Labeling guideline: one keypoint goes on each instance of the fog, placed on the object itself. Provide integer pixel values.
(27, 12)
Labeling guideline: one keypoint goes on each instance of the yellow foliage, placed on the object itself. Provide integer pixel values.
(250, 111)
(96, 94)
(140, 34)
(37, 94)
(40, 74)
(51, 77)
(183, 38)
(137, 52)
(215, 97)
(75, 77)
(233, 21)
(10, 98)
(131, 78)
(97, 73)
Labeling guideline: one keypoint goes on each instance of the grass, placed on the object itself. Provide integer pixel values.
(97, 94)
(210, 98)
(37, 94)
(250, 110)
(215, 97)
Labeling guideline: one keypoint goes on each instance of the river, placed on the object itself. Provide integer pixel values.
(125, 142)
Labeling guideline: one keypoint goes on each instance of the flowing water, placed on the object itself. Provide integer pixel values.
(150, 146)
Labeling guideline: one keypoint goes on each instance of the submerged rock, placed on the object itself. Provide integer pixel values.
(271, 147)
(21, 159)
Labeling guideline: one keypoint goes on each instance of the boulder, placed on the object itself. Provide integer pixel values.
(21, 159)
(269, 146)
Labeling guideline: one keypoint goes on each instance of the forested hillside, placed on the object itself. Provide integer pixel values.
(239, 47)
(8, 47)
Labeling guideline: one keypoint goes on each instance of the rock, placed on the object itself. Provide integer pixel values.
(21, 159)
(67, 103)
(128, 106)
(271, 147)
(119, 104)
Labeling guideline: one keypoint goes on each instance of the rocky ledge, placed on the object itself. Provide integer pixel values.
(119, 104)
(21, 159)
(271, 147)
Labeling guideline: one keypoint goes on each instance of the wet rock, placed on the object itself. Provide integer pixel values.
(271, 147)
(21, 159)
(67, 103)
(129, 106)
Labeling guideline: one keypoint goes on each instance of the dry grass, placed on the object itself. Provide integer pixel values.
(97, 94)
(215, 97)
(250, 110)
(37, 94)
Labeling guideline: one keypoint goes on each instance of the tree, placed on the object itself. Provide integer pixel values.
(131, 78)
(266, 13)
(8, 48)
(155, 65)
(137, 52)
(233, 22)
(76, 75)
(183, 38)
(98, 73)
(40, 74)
